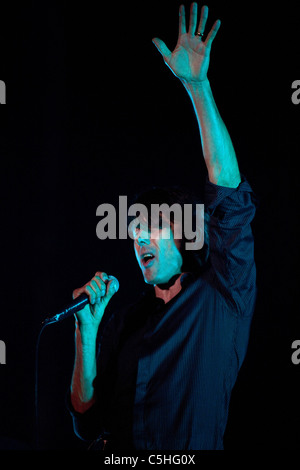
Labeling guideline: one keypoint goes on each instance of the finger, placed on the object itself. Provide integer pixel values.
(91, 294)
(203, 19)
(112, 288)
(104, 282)
(101, 285)
(212, 34)
(99, 288)
(102, 275)
(193, 18)
(182, 22)
(165, 52)
(77, 292)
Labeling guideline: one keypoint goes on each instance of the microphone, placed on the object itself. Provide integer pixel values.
(73, 307)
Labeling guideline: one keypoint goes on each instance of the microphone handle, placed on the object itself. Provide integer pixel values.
(73, 307)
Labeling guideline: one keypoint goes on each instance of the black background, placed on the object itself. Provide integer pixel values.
(93, 113)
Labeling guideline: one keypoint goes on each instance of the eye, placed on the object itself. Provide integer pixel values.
(135, 233)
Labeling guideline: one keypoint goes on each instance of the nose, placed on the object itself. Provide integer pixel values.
(141, 237)
(142, 241)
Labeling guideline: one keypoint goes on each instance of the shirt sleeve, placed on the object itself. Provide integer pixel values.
(87, 425)
(231, 244)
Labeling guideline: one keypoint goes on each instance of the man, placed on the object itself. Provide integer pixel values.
(165, 368)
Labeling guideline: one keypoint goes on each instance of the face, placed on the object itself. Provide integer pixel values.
(157, 253)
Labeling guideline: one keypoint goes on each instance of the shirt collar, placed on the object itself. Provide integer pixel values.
(185, 280)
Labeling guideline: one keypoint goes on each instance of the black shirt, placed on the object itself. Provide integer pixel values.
(166, 371)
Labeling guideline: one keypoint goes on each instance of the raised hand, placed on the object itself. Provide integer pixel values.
(190, 59)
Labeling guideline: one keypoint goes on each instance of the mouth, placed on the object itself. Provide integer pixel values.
(147, 259)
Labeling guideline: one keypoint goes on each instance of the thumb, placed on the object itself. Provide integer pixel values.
(161, 46)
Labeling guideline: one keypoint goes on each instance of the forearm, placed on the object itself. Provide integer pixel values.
(218, 151)
(84, 373)
(100, 290)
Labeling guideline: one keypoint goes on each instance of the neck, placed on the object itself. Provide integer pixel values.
(169, 290)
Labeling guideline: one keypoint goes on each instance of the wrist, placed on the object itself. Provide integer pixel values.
(196, 85)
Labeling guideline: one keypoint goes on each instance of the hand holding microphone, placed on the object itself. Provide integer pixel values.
(99, 290)
(89, 302)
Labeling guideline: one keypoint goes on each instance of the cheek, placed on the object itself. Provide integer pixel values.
(136, 254)
(178, 244)
(172, 252)
(173, 243)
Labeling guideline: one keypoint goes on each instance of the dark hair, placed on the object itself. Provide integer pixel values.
(193, 260)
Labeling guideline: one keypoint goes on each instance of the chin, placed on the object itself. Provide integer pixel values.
(156, 280)
(150, 280)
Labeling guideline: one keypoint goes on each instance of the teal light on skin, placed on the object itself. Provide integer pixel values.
(189, 62)
(167, 259)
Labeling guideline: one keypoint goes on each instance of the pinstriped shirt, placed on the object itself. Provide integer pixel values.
(166, 371)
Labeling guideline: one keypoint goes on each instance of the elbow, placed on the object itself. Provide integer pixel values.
(224, 176)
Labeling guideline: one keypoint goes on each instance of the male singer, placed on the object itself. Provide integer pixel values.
(161, 374)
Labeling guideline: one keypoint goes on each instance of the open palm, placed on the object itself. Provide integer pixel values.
(190, 59)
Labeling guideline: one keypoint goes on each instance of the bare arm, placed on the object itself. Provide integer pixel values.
(189, 62)
(100, 290)
(84, 372)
